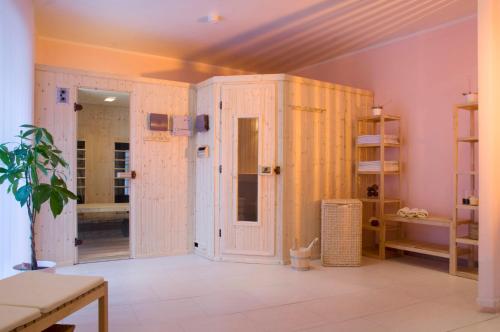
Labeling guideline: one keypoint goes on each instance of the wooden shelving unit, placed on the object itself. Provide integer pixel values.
(460, 243)
(376, 125)
(122, 160)
(80, 171)
(432, 249)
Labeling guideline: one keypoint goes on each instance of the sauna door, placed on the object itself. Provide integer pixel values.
(247, 160)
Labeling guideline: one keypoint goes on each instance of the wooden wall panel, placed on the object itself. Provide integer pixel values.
(165, 168)
(314, 151)
(317, 154)
(162, 202)
(206, 173)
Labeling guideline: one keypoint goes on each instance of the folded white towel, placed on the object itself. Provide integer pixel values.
(406, 212)
(375, 139)
(375, 166)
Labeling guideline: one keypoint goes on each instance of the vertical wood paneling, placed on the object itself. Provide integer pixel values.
(318, 156)
(162, 207)
(314, 151)
(248, 101)
(205, 175)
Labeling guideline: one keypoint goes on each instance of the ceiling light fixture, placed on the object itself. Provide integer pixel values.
(110, 99)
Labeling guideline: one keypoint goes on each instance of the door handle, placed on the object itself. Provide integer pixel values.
(269, 170)
(265, 170)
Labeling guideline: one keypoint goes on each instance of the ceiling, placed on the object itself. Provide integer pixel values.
(96, 97)
(255, 35)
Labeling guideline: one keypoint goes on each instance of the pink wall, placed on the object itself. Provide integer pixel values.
(424, 76)
(60, 53)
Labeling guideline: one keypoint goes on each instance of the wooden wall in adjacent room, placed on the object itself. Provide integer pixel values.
(100, 127)
(162, 202)
(318, 152)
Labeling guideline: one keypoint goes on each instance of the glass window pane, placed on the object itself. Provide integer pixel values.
(248, 185)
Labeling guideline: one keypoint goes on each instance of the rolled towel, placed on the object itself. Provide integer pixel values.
(422, 213)
(403, 212)
(406, 212)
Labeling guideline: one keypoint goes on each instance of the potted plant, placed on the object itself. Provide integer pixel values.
(33, 168)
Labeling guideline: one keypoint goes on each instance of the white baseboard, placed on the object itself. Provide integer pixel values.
(489, 304)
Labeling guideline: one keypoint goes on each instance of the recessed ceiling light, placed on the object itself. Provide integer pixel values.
(211, 18)
(110, 99)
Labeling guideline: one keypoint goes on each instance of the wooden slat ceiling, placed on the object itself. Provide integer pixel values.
(261, 36)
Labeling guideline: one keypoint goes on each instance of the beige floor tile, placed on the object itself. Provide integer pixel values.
(190, 293)
(168, 311)
(221, 323)
(291, 317)
(228, 302)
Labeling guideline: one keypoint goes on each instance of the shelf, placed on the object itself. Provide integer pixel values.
(379, 118)
(374, 145)
(377, 200)
(468, 107)
(420, 247)
(467, 207)
(470, 173)
(468, 139)
(467, 240)
(378, 172)
(431, 220)
(388, 228)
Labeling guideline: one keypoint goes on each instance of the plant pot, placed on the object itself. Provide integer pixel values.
(377, 110)
(45, 266)
(471, 98)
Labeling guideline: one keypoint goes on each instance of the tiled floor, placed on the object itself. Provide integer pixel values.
(189, 293)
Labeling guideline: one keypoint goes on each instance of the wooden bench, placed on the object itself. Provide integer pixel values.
(34, 301)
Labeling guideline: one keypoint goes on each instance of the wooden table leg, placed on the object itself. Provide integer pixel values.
(103, 311)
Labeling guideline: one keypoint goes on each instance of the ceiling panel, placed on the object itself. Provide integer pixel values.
(258, 35)
(96, 97)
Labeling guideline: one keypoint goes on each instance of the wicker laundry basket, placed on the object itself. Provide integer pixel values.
(341, 231)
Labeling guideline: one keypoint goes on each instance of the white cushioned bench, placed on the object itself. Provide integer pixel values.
(53, 296)
(11, 317)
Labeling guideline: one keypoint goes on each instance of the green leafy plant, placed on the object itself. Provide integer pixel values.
(33, 168)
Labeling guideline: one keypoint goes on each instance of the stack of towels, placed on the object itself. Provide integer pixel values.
(375, 166)
(406, 212)
(375, 139)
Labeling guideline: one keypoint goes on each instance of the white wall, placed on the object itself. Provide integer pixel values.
(16, 108)
(489, 154)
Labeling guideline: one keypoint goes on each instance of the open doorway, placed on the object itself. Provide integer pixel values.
(103, 185)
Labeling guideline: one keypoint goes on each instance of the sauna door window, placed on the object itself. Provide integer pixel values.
(248, 177)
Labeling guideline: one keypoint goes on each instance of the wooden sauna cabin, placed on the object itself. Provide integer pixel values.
(277, 145)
